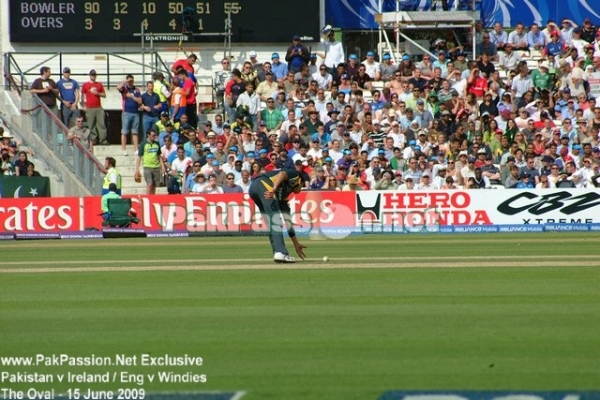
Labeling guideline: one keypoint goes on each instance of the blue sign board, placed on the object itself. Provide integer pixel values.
(359, 14)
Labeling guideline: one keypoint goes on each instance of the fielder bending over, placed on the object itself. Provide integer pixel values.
(271, 192)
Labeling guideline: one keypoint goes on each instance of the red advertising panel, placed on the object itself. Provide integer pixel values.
(228, 212)
(45, 214)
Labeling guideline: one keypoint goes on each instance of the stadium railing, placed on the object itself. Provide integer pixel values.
(44, 132)
(23, 67)
(39, 120)
(54, 134)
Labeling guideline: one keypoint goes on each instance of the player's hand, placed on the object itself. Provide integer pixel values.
(269, 194)
(300, 250)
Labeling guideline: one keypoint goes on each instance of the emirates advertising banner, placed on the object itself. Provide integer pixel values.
(333, 214)
(47, 214)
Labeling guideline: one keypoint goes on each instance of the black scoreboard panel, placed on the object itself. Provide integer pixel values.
(111, 21)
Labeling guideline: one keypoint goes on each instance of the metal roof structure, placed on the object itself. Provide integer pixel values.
(402, 21)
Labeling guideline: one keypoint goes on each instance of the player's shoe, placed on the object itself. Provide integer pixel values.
(283, 258)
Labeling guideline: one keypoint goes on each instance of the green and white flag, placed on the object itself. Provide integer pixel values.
(23, 186)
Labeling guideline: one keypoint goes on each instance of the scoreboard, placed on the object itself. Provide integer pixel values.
(115, 21)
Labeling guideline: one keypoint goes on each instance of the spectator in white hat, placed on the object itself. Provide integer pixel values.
(425, 183)
(256, 65)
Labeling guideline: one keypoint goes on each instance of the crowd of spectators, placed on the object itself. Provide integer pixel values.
(520, 115)
(15, 157)
(66, 99)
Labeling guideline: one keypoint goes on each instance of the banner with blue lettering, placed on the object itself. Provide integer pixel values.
(359, 14)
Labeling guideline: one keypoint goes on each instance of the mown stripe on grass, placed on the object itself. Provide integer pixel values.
(419, 259)
(308, 264)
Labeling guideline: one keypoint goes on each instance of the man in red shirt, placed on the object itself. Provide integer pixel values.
(186, 63)
(92, 92)
(273, 165)
(189, 90)
(476, 83)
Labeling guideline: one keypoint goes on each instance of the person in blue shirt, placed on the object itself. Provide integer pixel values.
(169, 131)
(535, 38)
(331, 125)
(130, 118)
(323, 136)
(562, 102)
(378, 101)
(69, 95)
(278, 68)
(151, 107)
(486, 46)
(189, 180)
(441, 62)
(524, 183)
(271, 192)
(319, 180)
(295, 147)
(555, 47)
(284, 161)
(297, 55)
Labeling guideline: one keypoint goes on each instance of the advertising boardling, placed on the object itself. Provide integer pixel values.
(229, 213)
(328, 211)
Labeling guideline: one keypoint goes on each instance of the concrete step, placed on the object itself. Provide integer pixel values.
(142, 190)
(122, 161)
(120, 158)
(112, 151)
(128, 181)
(127, 170)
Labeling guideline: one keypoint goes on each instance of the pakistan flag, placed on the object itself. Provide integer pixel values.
(23, 186)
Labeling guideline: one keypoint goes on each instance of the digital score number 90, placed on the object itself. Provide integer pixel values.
(121, 9)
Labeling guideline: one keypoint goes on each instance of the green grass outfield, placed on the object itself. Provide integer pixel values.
(435, 312)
